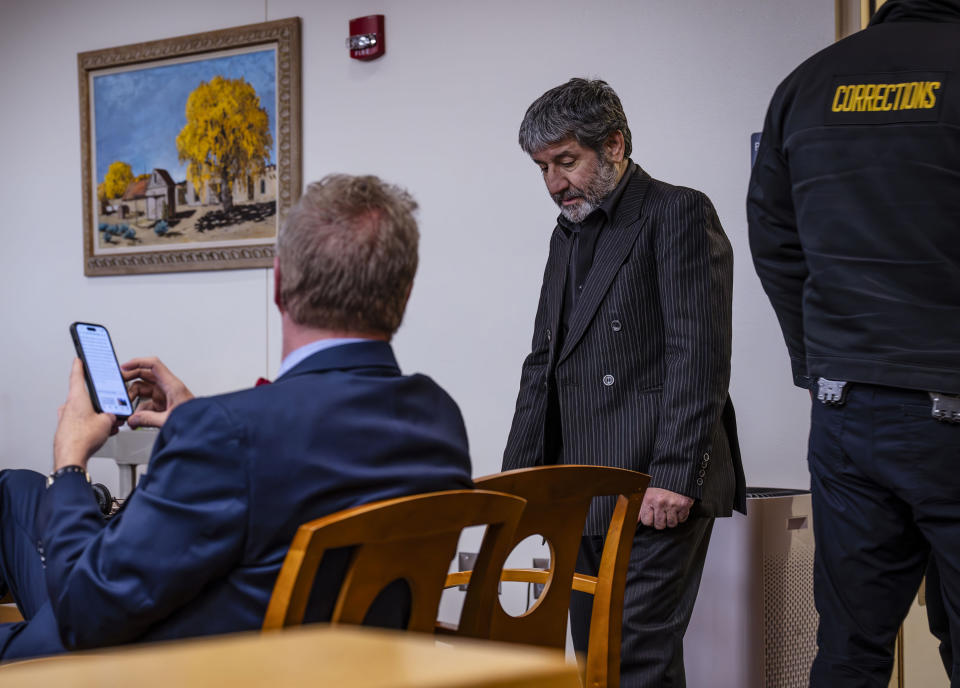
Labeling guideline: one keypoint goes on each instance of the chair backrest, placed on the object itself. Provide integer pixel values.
(411, 538)
(558, 498)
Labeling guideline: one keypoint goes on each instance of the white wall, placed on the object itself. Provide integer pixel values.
(439, 115)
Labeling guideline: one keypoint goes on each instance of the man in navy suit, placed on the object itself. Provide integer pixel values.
(198, 545)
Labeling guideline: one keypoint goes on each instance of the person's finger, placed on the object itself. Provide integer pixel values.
(671, 518)
(146, 419)
(660, 519)
(140, 362)
(144, 373)
(78, 384)
(77, 396)
(147, 397)
(646, 515)
(141, 389)
(149, 368)
(168, 385)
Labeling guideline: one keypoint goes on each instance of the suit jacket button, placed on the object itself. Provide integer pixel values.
(616, 326)
(699, 481)
(608, 380)
(548, 334)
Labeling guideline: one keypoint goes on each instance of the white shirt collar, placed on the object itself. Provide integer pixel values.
(304, 352)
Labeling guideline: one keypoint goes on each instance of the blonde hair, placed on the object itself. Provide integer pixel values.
(348, 255)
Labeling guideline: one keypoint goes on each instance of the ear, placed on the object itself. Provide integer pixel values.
(614, 147)
(277, 298)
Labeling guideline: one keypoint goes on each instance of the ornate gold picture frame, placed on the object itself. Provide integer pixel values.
(190, 149)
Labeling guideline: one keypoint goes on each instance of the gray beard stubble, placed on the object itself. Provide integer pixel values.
(598, 187)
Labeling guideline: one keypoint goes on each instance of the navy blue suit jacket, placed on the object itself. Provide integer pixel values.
(200, 542)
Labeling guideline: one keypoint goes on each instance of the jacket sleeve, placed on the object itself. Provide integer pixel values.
(525, 441)
(695, 284)
(774, 241)
(184, 526)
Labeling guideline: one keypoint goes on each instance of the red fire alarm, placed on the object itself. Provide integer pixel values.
(367, 39)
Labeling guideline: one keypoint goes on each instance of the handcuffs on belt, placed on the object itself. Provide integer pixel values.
(945, 408)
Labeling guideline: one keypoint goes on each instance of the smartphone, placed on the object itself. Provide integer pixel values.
(108, 392)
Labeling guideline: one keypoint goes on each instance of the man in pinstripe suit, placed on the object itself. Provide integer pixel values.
(630, 363)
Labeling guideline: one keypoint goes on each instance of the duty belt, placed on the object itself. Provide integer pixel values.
(945, 408)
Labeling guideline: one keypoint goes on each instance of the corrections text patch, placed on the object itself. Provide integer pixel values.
(884, 98)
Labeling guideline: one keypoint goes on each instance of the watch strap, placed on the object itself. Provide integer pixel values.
(67, 469)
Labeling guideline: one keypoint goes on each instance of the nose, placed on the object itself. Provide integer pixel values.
(556, 182)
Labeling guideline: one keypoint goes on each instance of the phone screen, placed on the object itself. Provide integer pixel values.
(103, 372)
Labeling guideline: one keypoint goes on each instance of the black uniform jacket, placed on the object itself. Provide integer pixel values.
(854, 203)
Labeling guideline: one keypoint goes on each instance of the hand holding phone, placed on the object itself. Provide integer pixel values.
(81, 430)
(158, 390)
(108, 391)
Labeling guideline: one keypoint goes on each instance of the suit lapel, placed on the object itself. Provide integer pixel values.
(613, 247)
(560, 257)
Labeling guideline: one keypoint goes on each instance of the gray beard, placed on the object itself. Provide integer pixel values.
(598, 187)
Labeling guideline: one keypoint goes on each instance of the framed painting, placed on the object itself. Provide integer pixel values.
(190, 149)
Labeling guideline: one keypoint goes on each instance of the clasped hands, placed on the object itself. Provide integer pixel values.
(81, 430)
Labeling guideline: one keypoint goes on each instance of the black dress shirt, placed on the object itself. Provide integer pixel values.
(584, 237)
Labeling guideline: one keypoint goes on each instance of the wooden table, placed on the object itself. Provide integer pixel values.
(344, 657)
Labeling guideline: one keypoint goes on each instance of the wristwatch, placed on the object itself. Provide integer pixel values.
(67, 469)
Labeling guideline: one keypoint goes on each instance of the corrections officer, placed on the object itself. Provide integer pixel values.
(854, 215)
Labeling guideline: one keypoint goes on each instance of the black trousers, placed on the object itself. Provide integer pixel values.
(885, 478)
(937, 617)
(661, 588)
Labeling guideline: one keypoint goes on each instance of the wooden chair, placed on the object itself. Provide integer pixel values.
(411, 538)
(558, 498)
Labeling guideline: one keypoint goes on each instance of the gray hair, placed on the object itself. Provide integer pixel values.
(348, 254)
(587, 110)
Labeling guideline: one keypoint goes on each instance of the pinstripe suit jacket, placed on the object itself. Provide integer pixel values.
(641, 377)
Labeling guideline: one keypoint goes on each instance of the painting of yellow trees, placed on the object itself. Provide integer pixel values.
(226, 138)
(183, 158)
